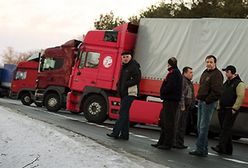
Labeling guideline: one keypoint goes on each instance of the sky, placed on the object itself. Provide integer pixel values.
(37, 24)
(25, 142)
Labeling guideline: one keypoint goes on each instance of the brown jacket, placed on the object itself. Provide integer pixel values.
(211, 85)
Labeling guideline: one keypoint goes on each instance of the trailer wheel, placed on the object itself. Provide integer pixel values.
(52, 102)
(26, 99)
(95, 109)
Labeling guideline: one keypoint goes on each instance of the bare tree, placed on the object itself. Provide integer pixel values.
(10, 56)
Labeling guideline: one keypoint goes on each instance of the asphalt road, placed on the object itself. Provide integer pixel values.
(140, 139)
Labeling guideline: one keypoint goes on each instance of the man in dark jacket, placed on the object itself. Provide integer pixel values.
(128, 89)
(229, 104)
(170, 93)
(211, 83)
(186, 104)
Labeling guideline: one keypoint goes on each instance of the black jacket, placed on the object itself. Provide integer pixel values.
(130, 76)
(229, 94)
(171, 88)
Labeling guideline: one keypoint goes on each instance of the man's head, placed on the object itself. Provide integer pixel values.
(188, 72)
(211, 62)
(126, 57)
(230, 71)
(172, 62)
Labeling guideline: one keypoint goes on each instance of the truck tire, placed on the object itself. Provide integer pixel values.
(52, 102)
(95, 109)
(26, 99)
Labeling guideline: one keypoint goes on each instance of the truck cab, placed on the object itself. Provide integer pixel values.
(96, 71)
(23, 84)
(53, 75)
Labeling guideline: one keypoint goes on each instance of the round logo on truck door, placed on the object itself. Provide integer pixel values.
(107, 61)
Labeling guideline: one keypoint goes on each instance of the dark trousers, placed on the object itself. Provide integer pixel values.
(181, 123)
(226, 119)
(121, 127)
(167, 119)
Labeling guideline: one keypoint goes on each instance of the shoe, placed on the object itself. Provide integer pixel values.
(155, 145)
(123, 138)
(196, 153)
(112, 136)
(180, 146)
(228, 153)
(164, 147)
(217, 149)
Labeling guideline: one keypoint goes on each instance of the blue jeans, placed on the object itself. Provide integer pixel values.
(205, 112)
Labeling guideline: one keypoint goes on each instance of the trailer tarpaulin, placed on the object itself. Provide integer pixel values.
(190, 41)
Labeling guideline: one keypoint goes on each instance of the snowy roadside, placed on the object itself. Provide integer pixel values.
(29, 143)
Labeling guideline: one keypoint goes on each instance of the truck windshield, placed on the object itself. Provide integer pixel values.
(89, 59)
(82, 59)
(52, 64)
(20, 75)
(92, 60)
(33, 57)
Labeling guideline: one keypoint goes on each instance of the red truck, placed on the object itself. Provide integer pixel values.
(23, 84)
(95, 75)
(96, 71)
(53, 75)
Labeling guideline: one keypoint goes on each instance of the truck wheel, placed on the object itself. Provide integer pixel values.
(26, 99)
(52, 102)
(95, 109)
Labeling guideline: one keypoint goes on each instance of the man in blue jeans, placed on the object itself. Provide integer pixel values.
(210, 89)
(128, 89)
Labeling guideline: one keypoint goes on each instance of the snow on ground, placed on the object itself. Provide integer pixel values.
(29, 143)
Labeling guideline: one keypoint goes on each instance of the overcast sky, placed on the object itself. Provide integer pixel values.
(33, 24)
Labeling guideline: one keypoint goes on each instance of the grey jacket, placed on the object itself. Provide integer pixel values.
(188, 96)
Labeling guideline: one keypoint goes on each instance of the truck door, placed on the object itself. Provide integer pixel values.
(52, 72)
(107, 68)
(87, 71)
